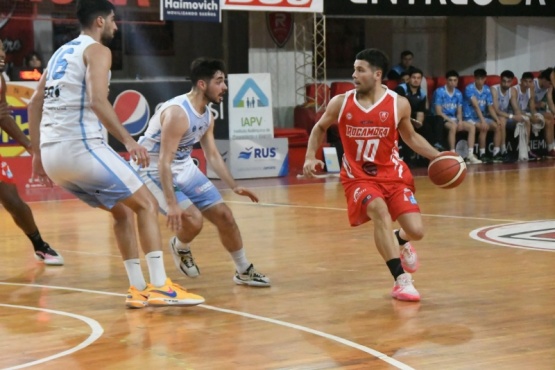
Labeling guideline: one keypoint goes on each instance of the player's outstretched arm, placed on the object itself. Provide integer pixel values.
(330, 116)
(412, 138)
(217, 163)
(34, 110)
(98, 59)
(174, 124)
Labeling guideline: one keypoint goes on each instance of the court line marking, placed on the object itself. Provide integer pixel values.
(96, 333)
(346, 342)
(474, 234)
(285, 205)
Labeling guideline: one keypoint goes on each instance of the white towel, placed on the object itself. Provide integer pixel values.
(520, 131)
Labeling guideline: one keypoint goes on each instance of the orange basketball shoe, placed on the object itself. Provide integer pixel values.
(136, 298)
(403, 289)
(172, 294)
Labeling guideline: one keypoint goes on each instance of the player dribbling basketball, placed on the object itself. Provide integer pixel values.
(378, 184)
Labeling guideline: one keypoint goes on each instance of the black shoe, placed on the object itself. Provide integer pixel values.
(532, 156)
(49, 256)
(498, 158)
(507, 158)
(486, 158)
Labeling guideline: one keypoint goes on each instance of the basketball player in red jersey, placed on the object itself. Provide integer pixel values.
(9, 197)
(378, 184)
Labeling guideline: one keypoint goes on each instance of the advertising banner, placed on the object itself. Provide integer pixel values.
(249, 159)
(134, 102)
(250, 106)
(190, 10)
(479, 8)
(308, 6)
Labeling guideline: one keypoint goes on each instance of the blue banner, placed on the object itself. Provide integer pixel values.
(190, 10)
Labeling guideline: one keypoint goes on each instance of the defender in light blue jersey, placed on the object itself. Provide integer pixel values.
(66, 114)
(478, 109)
(184, 193)
(447, 103)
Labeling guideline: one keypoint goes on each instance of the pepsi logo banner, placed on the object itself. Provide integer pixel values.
(309, 6)
(496, 8)
(132, 110)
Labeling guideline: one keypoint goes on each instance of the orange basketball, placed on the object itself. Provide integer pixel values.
(447, 170)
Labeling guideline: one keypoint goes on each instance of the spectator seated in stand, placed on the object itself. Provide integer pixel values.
(447, 104)
(478, 109)
(543, 92)
(429, 126)
(502, 96)
(31, 70)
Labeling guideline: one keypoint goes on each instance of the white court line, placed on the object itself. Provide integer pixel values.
(284, 205)
(370, 351)
(97, 331)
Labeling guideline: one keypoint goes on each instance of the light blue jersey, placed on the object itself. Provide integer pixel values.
(66, 111)
(74, 153)
(198, 125)
(483, 97)
(191, 186)
(449, 102)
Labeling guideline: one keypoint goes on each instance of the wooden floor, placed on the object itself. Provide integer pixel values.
(485, 306)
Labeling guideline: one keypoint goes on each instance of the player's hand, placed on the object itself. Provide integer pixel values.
(39, 173)
(246, 193)
(138, 153)
(309, 167)
(173, 220)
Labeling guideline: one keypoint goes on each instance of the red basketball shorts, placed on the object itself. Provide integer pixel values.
(399, 198)
(5, 172)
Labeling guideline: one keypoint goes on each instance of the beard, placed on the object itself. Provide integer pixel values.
(106, 38)
(213, 99)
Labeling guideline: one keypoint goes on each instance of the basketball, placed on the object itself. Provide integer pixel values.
(447, 170)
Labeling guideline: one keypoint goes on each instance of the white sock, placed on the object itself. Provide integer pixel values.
(503, 149)
(241, 261)
(550, 147)
(134, 273)
(495, 151)
(186, 247)
(156, 270)
(482, 151)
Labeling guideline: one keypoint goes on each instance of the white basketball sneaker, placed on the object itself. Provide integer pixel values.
(471, 159)
(408, 256)
(184, 260)
(403, 289)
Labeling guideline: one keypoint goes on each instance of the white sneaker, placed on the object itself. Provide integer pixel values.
(49, 256)
(403, 289)
(251, 277)
(408, 256)
(471, 159)
(183, 260)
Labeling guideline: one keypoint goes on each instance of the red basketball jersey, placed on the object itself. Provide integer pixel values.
(369, 137)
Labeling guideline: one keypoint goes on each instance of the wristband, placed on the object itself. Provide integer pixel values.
(510, 116)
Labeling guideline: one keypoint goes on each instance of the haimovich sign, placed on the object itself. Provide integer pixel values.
(190, 10)
(494, 8)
